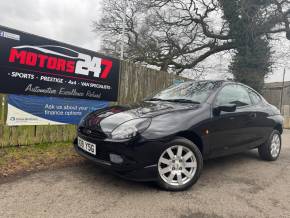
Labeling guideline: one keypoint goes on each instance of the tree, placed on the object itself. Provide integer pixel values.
(154, 36)
(250, 23)
(251, 61)
(178, 35)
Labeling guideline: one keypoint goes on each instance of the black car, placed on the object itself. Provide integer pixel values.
(166, 138)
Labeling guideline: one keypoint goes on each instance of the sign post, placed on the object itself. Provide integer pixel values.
(282, 91)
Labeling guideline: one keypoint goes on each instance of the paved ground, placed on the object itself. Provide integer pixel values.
(236, 186)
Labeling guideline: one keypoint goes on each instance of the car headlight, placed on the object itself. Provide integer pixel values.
(84, 118)
(130, 128)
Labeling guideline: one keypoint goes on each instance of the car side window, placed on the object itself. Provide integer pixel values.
(256, 99)
(233, 94)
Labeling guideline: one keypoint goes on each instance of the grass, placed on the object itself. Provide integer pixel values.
(21, 159)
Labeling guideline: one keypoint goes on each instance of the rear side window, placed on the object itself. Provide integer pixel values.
(256, 99)
(233, 94)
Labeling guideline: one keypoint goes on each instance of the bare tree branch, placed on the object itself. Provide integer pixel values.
(176, 35)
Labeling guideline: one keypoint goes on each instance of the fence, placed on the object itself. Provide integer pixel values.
(136, 82)
(272, 92)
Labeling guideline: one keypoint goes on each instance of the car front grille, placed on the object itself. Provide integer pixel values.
(101, 153)
(92, 133)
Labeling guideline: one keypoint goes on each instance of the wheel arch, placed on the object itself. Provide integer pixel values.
(193, 137)
(279, 127)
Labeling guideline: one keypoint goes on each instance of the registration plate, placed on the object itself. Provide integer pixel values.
(87, 146)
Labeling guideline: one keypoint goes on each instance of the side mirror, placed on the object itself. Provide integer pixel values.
(226, 108)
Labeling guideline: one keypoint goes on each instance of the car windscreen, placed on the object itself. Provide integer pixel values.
(196, 92)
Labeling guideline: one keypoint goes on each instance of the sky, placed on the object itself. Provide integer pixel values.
(67, 21)
(71, 21)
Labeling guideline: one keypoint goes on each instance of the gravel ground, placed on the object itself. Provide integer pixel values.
(236, 186)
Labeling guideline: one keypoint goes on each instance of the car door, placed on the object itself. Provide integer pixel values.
(261, 124)
(229, 131)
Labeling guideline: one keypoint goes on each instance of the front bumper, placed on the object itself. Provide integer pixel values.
(140, 157)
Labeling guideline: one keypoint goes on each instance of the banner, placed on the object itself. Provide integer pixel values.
(34, 110)
(33, 65)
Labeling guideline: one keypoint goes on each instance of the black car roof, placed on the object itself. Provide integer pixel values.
(233, 82)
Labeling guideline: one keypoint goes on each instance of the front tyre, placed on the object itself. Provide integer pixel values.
(179, 165)
(270, 150)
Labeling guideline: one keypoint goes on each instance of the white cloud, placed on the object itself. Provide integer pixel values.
(67, 21)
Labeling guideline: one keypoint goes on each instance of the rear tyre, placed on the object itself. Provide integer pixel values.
(270, 150)
(179, 165)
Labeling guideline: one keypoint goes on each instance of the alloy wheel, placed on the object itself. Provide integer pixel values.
(275, 145)
(177, 165)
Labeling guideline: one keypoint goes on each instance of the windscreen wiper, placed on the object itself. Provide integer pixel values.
(155, 99)
(182, 100)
